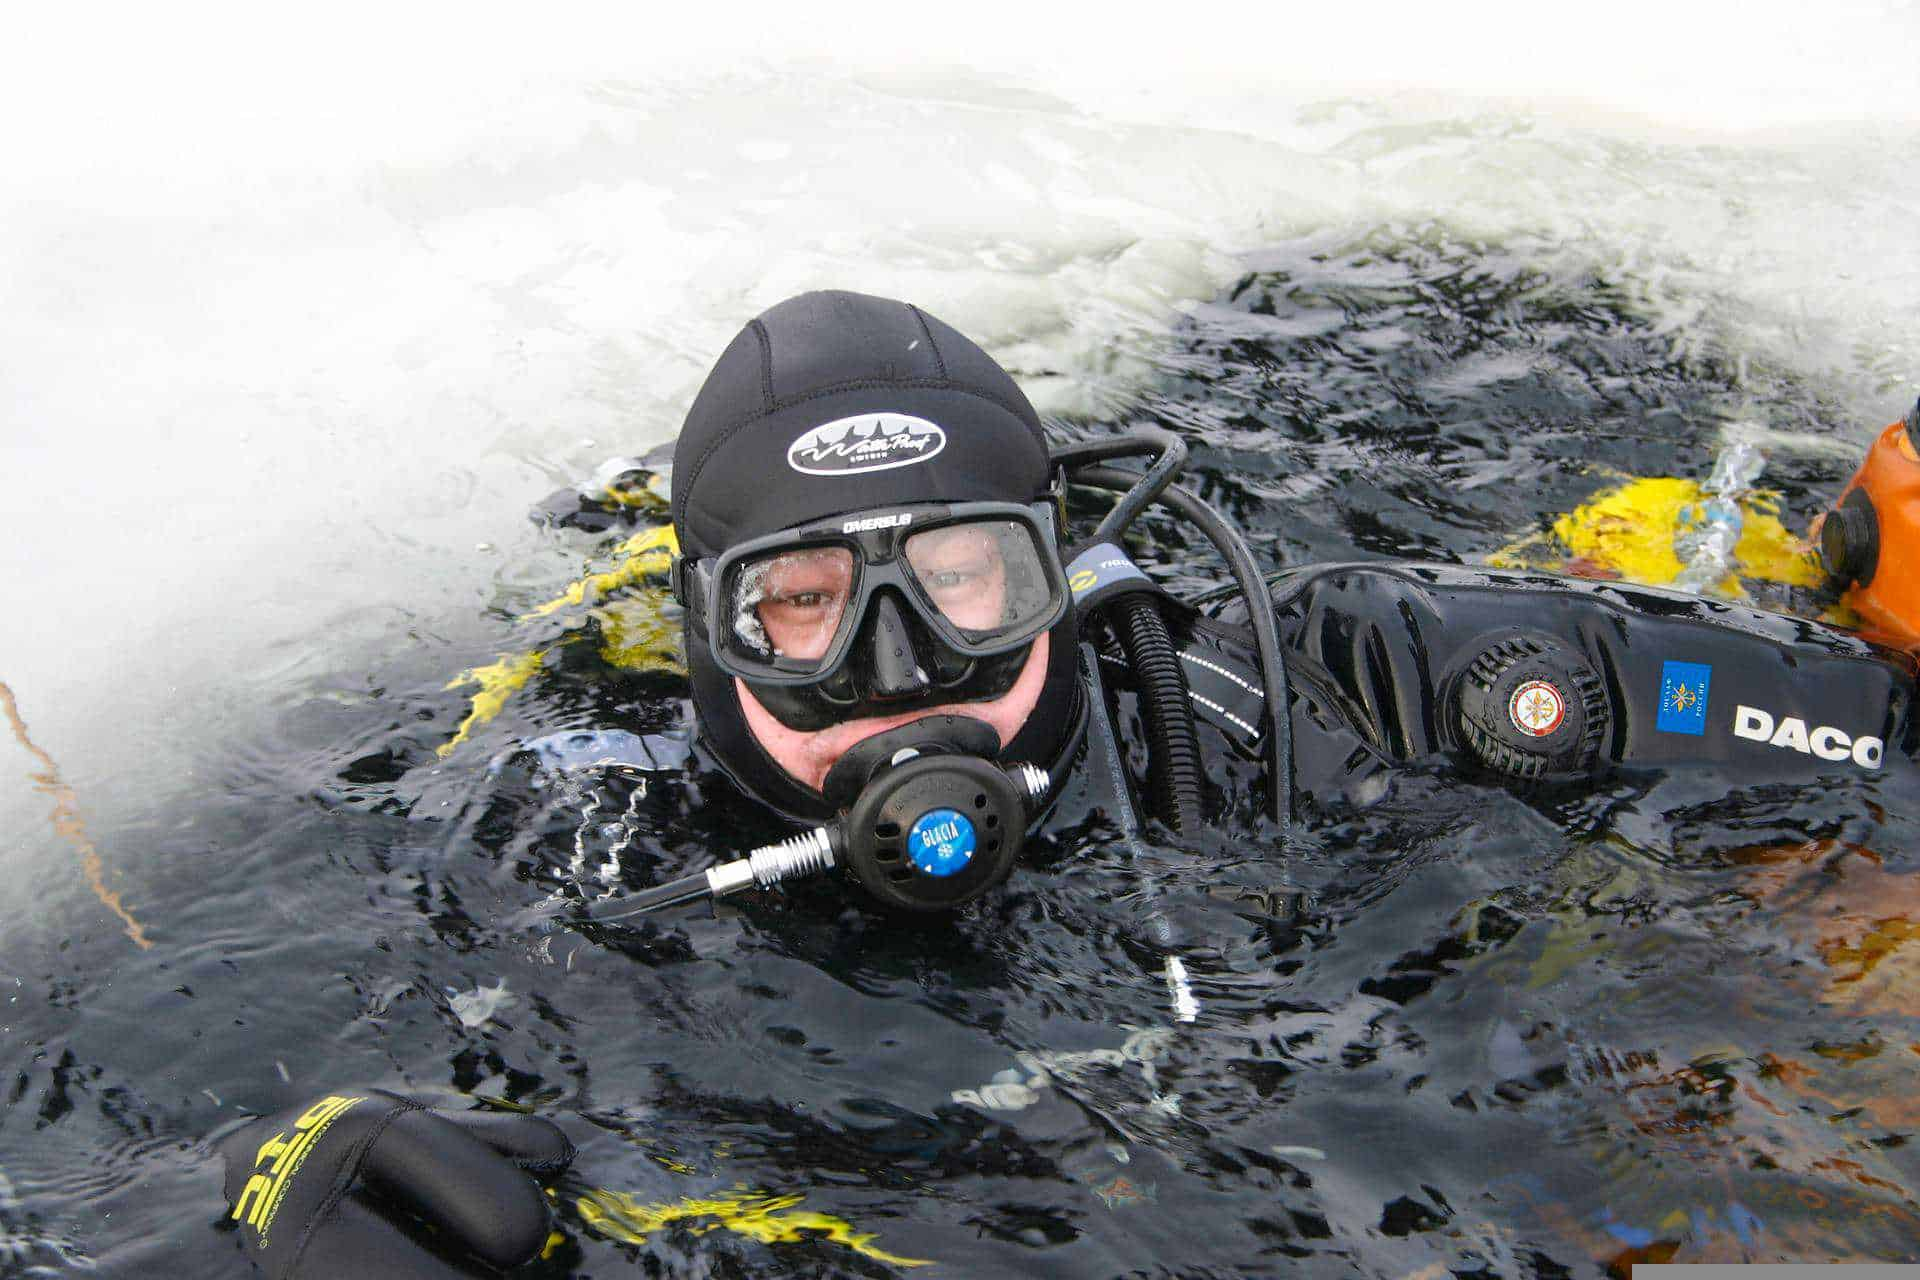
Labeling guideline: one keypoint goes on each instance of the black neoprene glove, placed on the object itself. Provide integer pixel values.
(308, 1188)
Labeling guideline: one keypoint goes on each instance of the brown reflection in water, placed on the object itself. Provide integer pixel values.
(66, 821)
(1730, 1157)
(1866, 928)
(1863, 921)
(1768, 1146)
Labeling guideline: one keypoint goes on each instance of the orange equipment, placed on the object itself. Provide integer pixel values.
(1870, 541)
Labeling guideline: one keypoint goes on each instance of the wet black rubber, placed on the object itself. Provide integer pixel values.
(1174, 769)
(1487, 727)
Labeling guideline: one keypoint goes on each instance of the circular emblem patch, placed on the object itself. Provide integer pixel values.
(941, 842)
(1536, 708)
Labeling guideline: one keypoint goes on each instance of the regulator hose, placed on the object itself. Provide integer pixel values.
(1173, 760)
(1170, 457)
(1273, 672)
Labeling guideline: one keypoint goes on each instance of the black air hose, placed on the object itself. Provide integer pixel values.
(1266, 635)
(1170, 457)
(1173, 760)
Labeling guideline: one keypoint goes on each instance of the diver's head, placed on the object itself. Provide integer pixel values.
(1870, 541)
(869, 557)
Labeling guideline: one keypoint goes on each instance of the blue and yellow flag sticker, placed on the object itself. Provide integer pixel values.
(1683, 697)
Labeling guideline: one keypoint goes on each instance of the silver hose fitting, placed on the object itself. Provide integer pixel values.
(1033, 778)
(801, 855)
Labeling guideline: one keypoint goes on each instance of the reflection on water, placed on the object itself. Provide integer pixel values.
(67, 822)
(1458, 1031)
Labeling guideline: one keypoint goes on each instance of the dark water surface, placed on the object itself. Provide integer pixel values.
(1463, 1032)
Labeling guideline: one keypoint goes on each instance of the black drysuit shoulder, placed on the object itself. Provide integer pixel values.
(1336, 763)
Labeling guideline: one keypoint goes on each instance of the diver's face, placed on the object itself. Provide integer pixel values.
(802, 600)
(809, 755)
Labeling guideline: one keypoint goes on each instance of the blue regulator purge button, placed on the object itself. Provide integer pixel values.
(941, 842)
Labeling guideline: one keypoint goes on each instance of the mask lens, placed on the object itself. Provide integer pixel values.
(790, 605)
(984, 576)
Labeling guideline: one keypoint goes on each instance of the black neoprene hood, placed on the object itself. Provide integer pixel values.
(832, 403)
(859, 368)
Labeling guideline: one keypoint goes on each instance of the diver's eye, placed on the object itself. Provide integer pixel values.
(953, 579)
(795, 599)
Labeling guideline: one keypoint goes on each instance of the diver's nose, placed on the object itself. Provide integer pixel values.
(893, 668)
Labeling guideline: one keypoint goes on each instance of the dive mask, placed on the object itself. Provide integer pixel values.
(880, 612)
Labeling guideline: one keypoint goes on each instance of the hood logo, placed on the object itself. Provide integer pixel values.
(868, 442)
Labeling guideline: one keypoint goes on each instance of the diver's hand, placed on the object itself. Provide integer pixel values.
(309, 1186)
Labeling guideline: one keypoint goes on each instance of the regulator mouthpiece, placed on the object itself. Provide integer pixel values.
(927, 833)
(937, 832)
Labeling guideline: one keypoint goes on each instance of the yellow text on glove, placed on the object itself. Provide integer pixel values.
(280, 1158)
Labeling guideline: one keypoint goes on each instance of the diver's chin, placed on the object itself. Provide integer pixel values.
(808, 755)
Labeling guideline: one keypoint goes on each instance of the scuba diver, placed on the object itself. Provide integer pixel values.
(894, 641)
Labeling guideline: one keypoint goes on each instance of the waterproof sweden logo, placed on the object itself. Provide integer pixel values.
(1683, 697)
(869, 442)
